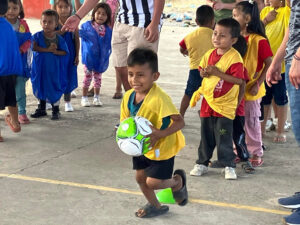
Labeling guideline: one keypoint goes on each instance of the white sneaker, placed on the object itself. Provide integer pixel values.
(287, 126)
(270, 125)
(73, 94)
(68, 107)
(97, 102)
(85, 102)
(199, 170)
(230, 173)
(48, 106)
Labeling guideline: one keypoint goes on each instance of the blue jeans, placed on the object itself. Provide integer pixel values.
(294, 98)
(21, 94)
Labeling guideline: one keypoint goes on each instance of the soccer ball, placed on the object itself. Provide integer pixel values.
(131, 134)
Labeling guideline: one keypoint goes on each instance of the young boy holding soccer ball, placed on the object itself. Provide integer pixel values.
(147, 99)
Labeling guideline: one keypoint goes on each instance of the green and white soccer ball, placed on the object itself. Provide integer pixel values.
(131, 134)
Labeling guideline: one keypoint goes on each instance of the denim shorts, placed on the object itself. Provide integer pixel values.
(278, 91)
(193, 83)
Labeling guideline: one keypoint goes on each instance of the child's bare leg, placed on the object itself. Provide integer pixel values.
(148, 192)
(184, 104)
(282, 115)
(13, 111)
(274, 109)
(266, 116)
(96, 91)
(118, 83)
(84, 91)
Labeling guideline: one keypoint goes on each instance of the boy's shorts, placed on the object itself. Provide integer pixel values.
(278, 91)
(156, 169)
(193, 83)
(125, 38)
(7, 91)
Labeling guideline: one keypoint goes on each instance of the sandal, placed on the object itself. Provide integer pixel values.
(279, 139)
(149, 211)
(8, 122)
(117, 96)
(256, 161)
(181, 196)
(248, 168)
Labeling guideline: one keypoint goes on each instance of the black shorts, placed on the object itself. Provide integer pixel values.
(193, 83)
(7, 91)
(162, 169)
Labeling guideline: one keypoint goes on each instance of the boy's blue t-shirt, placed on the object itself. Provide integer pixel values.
(51, 2)
(10, 57)
(134, 108)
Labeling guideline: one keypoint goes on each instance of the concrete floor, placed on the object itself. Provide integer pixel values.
(71, 171)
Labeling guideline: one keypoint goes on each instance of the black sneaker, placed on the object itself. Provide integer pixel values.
(55, 116)
(38, 113)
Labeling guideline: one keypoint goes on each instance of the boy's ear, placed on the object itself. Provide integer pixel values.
(234, 40)
(156, 75)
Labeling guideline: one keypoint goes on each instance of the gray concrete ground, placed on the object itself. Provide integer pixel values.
(87, 180)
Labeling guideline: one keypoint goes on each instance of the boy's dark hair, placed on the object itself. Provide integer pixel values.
(18, 2)
(107, 9)
(255, 25)
(204, 15)
(3, 7)
(68, 2)
(141, 56)
(241, 45)
(235, 29)
(50, 12)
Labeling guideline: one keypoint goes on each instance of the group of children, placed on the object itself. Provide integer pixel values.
(228, 65)
(231, 78)
(55, 56)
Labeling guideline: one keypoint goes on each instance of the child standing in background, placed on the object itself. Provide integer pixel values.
(10, 66)
(64, 10)
(15, 16)
(195, 45)
(49, 70)
(276, 20)
(95, 49)
(257, 61)
(223, 72)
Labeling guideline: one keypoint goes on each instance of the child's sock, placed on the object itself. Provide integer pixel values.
(96, 96)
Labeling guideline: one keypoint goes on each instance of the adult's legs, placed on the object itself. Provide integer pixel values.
(122, 73)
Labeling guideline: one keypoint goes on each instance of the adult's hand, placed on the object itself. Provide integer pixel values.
(151, 33)
(71, 24)
(295, 73)
(274, 73)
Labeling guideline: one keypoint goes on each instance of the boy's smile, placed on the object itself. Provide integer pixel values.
(141, 78)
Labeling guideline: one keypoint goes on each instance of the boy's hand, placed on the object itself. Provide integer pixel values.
(52, 48)
(76, 61)
(271, 16)
(203, 73)
(212, 70)
(154, 136)
(254, 89)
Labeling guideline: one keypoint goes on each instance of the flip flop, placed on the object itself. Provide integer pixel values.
(279, 139)
(181, 195)
(151, 211)
(256, 162)
(117, 96)
(248, 168)
(8, 122)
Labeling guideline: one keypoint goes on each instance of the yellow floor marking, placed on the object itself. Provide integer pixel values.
(103, 188)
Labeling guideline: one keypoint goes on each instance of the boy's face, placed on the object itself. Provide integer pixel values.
(141, 78)
(48, 23)
(222, 38)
